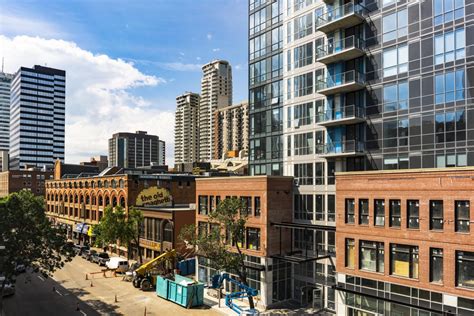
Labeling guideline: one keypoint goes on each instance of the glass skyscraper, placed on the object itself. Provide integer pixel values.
(37, 117)
(363, 85)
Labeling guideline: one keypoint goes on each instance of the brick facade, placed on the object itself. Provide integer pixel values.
(423, 185)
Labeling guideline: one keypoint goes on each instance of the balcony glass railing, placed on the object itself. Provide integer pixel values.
(339, 13)
(341, 45)
(348, 111)
(340, 79)
(343, 147)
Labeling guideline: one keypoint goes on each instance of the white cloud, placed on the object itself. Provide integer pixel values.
(216, 49)
(198, 58)
(238, 67)
(178, 66)
(209, 36)
(99, 99)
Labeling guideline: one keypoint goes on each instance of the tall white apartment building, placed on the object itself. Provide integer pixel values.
(216, 93)
(186, 131)
(304, 156)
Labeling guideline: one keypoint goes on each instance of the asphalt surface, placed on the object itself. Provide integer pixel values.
(37, 296)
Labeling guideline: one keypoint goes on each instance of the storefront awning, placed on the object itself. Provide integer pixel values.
(81, 228)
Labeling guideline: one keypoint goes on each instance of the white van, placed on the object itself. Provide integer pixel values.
(118, 264)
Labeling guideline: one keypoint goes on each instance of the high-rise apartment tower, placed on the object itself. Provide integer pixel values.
(216, 93)
(186, 131)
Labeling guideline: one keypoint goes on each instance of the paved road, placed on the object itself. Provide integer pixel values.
(35, 297)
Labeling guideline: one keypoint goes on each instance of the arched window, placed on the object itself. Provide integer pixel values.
(93, 199)
(92, 184)
(99, 184)
(86, 185)
(122, 201)
(100, 200)
(81, 198)
(80, 184)
(87, 199)
(106, 183)
(65, 198)
(113, 184)
(121, 183)
(168, 232)
(75, 185)
(76, 199)
(107, 201)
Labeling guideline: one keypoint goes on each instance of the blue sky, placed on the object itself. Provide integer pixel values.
(167, 40)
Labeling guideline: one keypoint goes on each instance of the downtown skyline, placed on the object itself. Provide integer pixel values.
(127, 69)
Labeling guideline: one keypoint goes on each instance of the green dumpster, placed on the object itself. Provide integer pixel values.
(181, 290)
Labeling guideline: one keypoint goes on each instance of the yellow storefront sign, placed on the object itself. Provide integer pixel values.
(154, 196)
(90, 231)
(150, 244)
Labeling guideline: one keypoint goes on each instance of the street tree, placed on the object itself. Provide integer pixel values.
(222, 244)
(117, 225)
(29, 239)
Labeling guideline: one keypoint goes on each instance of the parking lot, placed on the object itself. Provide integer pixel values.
(110, 295)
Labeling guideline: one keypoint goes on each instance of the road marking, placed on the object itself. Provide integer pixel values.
(83, 313)
(41, 278)
(58, 292)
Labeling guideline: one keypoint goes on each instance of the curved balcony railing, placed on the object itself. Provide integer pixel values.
(345, 49)
(343, 82)
(344, 16)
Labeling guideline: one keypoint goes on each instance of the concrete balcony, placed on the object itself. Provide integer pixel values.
(350, 114)
(342, 17)
(345, 49)
(341, 83)
(342, 149)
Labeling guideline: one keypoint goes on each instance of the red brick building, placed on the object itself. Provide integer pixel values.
(269, 201)
(404, 242)
(77, 200)
(17, 180)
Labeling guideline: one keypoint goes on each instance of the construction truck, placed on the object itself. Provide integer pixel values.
(244, 291)
(144, 277)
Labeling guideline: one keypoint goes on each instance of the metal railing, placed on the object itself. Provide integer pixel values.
(338, 46)
(348, 111)
(340, 12)
(343, 147)
(341, 79)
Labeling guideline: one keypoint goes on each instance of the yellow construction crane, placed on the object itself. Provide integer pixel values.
(143, 276)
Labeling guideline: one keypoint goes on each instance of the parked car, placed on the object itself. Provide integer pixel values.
(118, 264)
(101, 258)
(87, 254)
(9, 289)
(80, 248)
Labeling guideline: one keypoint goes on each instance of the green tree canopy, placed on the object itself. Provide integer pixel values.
(117, 225)
(29, 238)
(222, 244)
